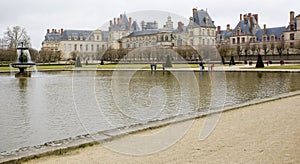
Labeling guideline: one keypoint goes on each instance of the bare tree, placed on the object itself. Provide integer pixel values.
(15, 35)
(280, 47)
(265, 48)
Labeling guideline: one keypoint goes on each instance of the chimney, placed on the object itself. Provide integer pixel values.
(121, 16)
(265, 29)
(143, 25)
(245, 18)
(228, 27)
(292, 15)
(61, 31)
(241, 17)
(219, 29)
(251, 25)
(53, 30)
(118, 20)
(115, 23)
(110, 23)
(180, 26)
(194, 11)
(130, 22)
(256, 17)
(48, 31)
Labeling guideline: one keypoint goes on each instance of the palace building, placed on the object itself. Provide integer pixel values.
(124, 33)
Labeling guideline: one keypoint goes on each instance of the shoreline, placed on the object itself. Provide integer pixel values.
(71, 144)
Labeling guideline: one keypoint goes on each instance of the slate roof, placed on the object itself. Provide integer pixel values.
(52, 37)
(245, 26)
(142, 33)
(227, 34)
(73, 33)
(202, 19)
(77, 33)
(277, 31)
(124, 25)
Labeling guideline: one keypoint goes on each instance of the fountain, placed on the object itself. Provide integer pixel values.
(23, 61)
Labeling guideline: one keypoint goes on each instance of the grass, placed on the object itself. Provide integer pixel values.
(143, 66)
(54, 67)
(293, 66)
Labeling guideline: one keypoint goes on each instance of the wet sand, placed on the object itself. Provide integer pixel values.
(262, 133)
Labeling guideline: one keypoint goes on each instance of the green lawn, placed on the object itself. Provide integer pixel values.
(288, 66)
(54, 67)
(143, 66)
(293, 66)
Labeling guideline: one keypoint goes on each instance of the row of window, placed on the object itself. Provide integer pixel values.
(139, 44)
(208, 42)
(81, 47)
(204, 32)
(84, 38)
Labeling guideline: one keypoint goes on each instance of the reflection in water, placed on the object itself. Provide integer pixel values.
(59, 105)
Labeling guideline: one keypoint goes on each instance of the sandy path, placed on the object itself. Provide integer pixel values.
(264, 133)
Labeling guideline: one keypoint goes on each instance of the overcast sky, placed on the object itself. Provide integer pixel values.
(39, 15)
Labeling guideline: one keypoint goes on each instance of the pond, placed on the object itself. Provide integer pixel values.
(60, 104)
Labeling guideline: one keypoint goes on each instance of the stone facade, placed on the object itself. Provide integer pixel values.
(249, 38)
(80, 42)
(246, 38)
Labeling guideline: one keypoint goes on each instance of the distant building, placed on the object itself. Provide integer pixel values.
(84, 42)
(119, 28)
(253, 39)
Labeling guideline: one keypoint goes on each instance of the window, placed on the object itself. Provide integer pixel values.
(134, 45)
(75, 47)
(87, 47)
(292, 36)
(203, 41)
(208, 32)
(140, 44)
(92, 47)
(128, 45)
(153, 43)
(98, 47)
(167, 38)
(272, 38)
(98, 37)
(208, 43)
(81, 37)
(243, 40)
(238, 40)
(146, 44)
(233, 41)
(291, 45)
(69, 37)
(80, 47)
(265, 38)
(103, 46)
(69, 47)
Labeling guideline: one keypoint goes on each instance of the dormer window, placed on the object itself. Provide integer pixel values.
(238, 31)
(264, 38)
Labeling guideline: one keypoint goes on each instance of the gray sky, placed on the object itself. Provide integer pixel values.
(38, 15)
